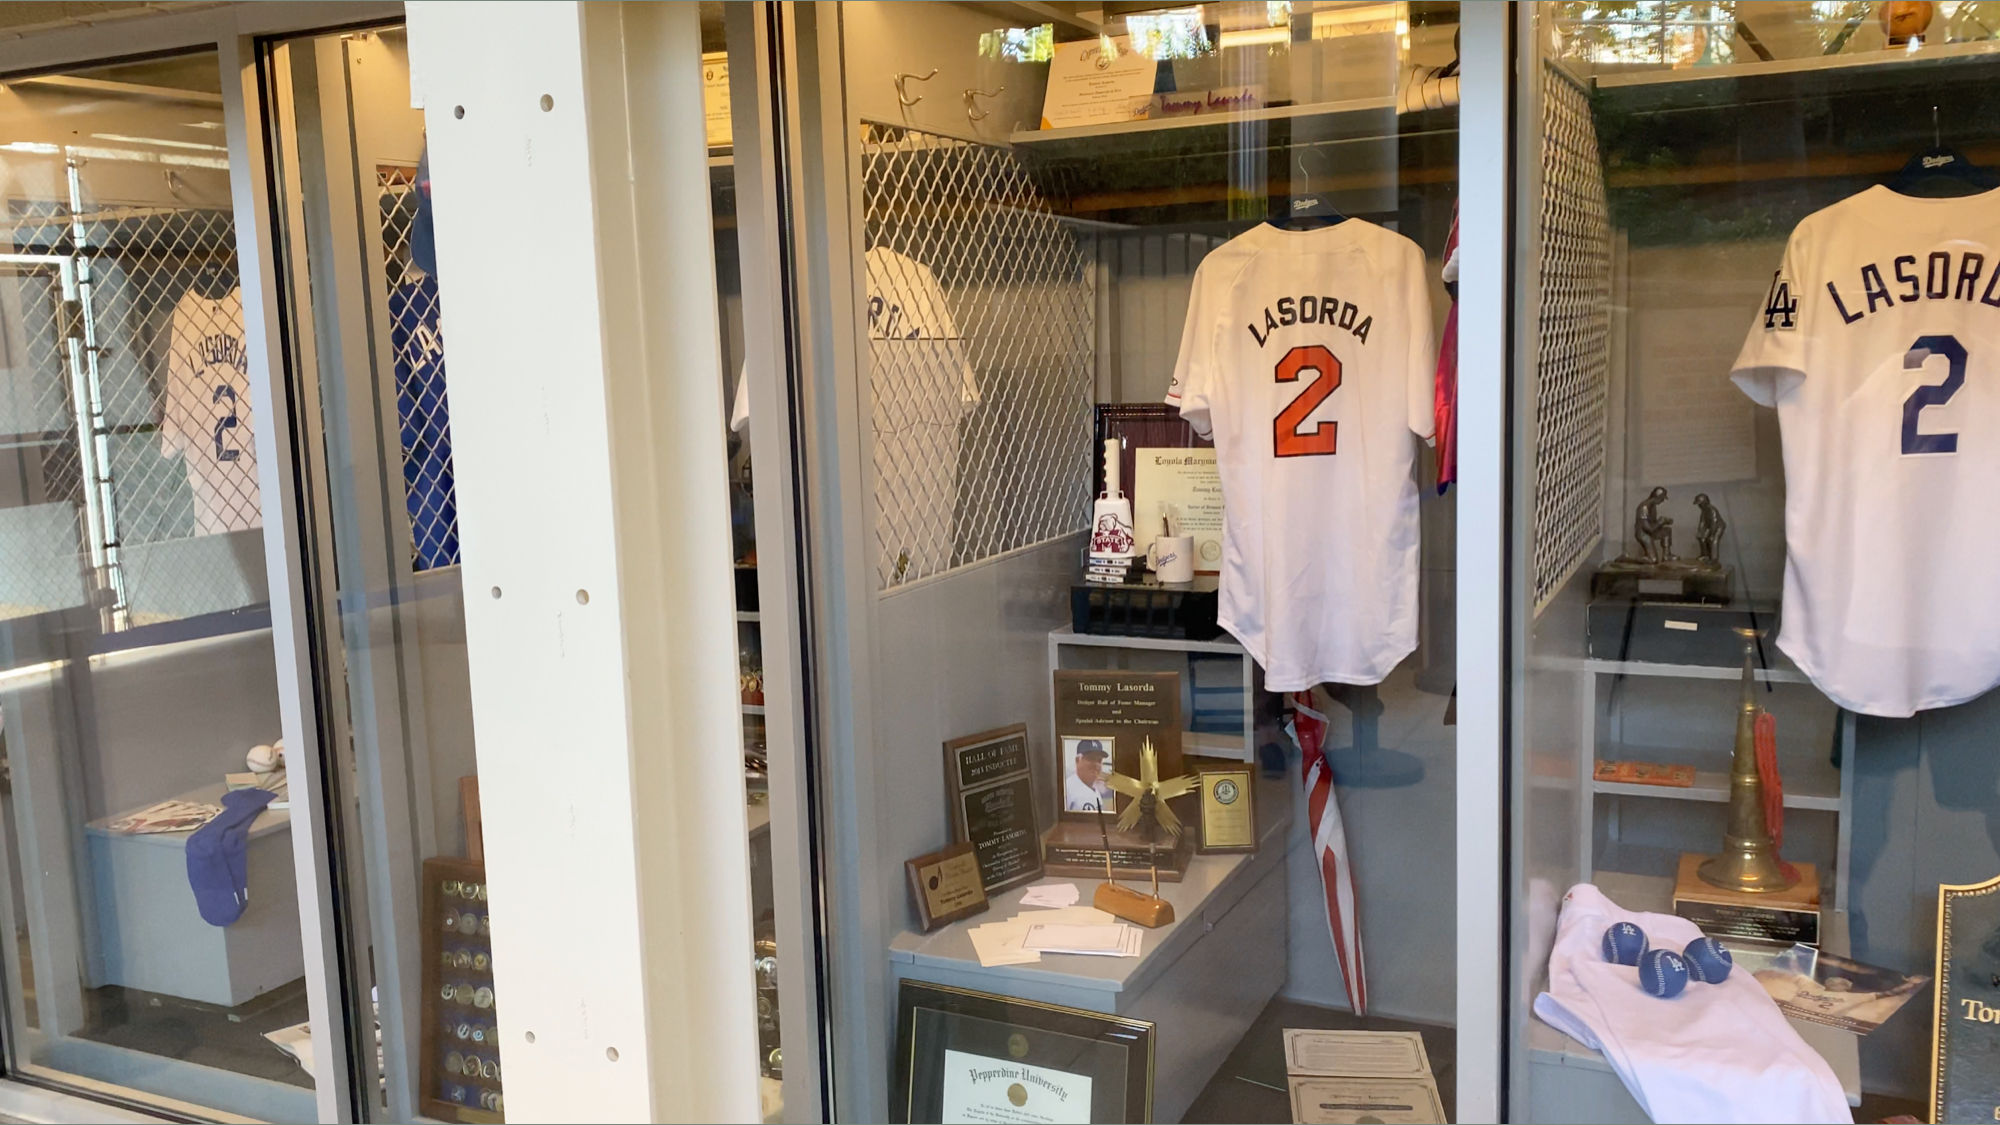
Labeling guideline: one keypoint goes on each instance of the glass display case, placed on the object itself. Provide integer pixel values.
(1216, 242)
(1752, 659)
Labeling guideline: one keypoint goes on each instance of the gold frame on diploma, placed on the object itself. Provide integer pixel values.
(974, 1056)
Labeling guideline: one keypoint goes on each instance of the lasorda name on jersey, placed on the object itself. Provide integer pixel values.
(1309, 309)
(1940, 275)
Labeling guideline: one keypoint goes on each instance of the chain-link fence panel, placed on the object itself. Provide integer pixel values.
(40, 539)
(126, 326)
(981, 309)
(1572, 362)
(423, 410)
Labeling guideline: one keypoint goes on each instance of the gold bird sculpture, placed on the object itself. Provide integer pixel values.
(1149, 794)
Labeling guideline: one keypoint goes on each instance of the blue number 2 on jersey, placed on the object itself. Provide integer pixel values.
(224, 391)
(1931, 395)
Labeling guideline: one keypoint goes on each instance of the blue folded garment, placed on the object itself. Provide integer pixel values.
(217, 860)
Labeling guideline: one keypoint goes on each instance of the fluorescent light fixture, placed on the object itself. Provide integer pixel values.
(1256, 37)
(120, 137)
(38, 148)
(1359, 19)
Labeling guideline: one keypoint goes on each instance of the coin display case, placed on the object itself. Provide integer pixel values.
(461, 1064)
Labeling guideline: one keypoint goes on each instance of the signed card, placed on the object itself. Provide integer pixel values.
(1351, 1101)
(1371, 1054)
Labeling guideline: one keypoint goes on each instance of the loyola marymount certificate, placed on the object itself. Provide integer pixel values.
(1097, 82)
(982, 1089)
(1189, 484)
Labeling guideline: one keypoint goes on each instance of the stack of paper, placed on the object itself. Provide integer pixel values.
(999, 943)
(1005, 942)
(167, 816)
(1051, 894)
(1341, 1077)
(1091, 940)
(296, 1041)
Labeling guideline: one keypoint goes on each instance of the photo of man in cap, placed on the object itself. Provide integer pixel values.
(1084, 788)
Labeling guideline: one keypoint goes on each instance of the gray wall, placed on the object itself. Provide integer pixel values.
(175, 717)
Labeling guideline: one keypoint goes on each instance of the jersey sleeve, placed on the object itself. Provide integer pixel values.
(1420, 361)
(1772, 361)
(1193, 369)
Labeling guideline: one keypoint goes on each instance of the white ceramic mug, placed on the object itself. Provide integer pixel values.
(1171, 557)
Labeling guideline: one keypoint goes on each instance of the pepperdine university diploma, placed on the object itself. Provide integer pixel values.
(982, 1089)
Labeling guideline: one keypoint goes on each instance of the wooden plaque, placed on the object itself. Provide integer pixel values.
(945, 886)
(1965, 1044)
(475, 831)
(992, 794)
(460, 1071)
(1123, 709)
(1228, 810)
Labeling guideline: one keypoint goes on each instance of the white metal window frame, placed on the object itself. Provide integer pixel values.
(1487, 610)
(592, 491)
(231, 32)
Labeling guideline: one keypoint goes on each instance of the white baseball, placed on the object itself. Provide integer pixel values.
(262, 759)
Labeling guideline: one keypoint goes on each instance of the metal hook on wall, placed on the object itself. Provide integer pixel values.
(972, 110)
(903, 95)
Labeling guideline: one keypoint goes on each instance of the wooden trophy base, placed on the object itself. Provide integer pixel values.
(1784, 917)
(1075, 849)
(1124, 902)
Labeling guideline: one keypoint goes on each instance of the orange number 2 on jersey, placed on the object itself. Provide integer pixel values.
(1290, 440)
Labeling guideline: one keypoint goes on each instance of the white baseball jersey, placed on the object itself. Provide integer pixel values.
(1308, 358)
(1879, 343)
(206, 419)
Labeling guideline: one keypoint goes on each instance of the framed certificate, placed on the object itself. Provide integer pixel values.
(1188, 485)
(1098, 82)
(974, 1056)
(1178, 468)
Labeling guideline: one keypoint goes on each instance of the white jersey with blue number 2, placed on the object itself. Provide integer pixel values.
(1879, 344)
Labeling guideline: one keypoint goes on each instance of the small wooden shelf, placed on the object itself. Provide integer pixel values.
(1069, 636)
(1781, 675)
(1817, 790)
(1370, 110)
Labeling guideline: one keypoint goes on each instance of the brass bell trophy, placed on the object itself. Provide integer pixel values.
(1749, 862)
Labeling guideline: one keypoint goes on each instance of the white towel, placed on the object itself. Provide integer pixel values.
(1715, 1053)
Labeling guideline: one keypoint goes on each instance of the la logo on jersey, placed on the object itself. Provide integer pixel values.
(1781, 308)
